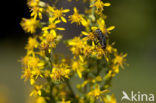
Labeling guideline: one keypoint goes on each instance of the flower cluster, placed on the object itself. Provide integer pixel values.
(95, 61)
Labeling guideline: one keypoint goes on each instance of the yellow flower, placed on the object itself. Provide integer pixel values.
(32, 43)
(98, 78)
(36, 73)
(32, 62)
(78, 66)
(80, 46)
(102, 26)
(119, 59)
(36, 11)
(76, 17)
(27, 74)
(29, 25)
(49, 36)
(46, 73)
(60, 14)
(49, 41)
(37, 90)
(59, 72)
(50, 10)
(90, 35)
(99, 52)
(110, 49)
(99, 5)
(33, 3)
(97, 93)
(115, 68)
(52, 26)
(76, 45)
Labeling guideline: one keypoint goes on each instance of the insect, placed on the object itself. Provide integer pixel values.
(101, 37)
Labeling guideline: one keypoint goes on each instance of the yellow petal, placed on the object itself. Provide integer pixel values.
(57, 21)
(75, 9)
(39, 93)
(40, 15)
(79, 74)
(66, 10)
(32, 81)
(81, 58)
(45, 28)
(107, 4)
(49, 50)
(84, 33)
(94, 28)
(110, 28)
(60, 28)
(93, 43)
(84, 22)
(63, 19)
(125, 55)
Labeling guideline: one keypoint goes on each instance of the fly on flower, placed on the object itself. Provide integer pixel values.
(101, 37)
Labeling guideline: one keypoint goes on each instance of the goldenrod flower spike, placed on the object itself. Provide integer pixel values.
(51, 75)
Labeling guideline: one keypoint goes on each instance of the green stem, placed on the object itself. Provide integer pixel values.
(52, 99)
(70, 88)
(85, 87)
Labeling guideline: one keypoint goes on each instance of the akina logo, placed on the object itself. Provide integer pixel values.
(137, 97)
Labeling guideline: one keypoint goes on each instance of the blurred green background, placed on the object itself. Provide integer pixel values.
(135, 34)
